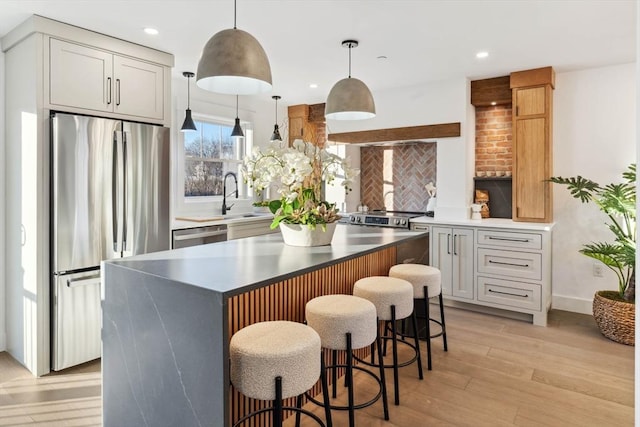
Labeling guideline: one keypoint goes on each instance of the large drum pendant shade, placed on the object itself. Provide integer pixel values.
(350, 99)
(233, 62)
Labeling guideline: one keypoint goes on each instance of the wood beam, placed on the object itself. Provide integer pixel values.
(495, 91)
(444, 130)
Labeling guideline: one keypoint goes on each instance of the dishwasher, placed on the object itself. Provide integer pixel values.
(198, 236)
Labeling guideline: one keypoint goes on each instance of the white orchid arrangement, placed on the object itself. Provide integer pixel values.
(297, 173)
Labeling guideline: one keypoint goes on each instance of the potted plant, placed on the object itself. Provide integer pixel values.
(298, 173)
(614, 311)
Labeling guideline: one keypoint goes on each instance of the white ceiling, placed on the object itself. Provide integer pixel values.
(423, 40)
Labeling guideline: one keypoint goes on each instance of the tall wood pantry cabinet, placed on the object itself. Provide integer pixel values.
(532, 144)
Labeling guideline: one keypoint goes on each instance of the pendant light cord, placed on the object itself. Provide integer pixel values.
(349, 60)
(276, 110)
(236, 106)
(188, 94)
(234, 14)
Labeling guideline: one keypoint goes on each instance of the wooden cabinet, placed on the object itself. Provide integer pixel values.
(532, 144)
(298, 119)
(452, 253)
(97, 80)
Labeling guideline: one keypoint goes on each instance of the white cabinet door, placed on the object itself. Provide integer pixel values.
(453, 255)
(442, 256)
(96, 80)
(462, 285)
(80, 77)
(138, 88)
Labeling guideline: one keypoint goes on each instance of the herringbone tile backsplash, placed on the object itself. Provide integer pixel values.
(393, 177)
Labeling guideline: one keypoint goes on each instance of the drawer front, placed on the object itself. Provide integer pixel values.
(525, 265)
(512, 294)
(510, 239)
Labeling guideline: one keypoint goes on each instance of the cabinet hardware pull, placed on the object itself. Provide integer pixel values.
(508, 263)
(448, 244)
(117, 91)
(507, 239)
(454, 244)
(108, 90)
(508, 293)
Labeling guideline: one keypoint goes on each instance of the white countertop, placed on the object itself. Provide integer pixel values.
(485, 222)
(230, 219)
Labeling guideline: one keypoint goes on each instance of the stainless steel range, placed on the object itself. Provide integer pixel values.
(413, 251)
(396, 219)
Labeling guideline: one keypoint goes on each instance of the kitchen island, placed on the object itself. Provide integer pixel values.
(168, 316)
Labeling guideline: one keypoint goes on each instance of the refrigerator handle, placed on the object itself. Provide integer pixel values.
(108, 90)
(125, 185)
(84, 281)
(114, 193)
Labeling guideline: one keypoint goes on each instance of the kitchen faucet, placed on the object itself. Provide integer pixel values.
(226, 208)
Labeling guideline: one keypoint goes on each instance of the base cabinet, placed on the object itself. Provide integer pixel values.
(502, 268)
(453, 255)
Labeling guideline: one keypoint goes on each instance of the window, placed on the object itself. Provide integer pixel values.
(209, 153)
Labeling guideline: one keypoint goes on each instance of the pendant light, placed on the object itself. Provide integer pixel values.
(276, 132)
(188, 125)
(234, 62)
(350, 98)
(237, 130)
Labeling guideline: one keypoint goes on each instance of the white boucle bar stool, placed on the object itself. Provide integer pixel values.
(274, 361)
(426, 281)
(347, 322)
(393, 299)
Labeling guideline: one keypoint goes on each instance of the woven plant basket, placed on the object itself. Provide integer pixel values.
(616, 319)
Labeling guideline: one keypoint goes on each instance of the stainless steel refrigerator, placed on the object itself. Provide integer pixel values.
(110, 199)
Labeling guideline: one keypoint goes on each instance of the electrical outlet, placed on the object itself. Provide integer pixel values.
(597, 269)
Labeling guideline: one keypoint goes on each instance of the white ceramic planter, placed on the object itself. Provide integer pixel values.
(302, 235)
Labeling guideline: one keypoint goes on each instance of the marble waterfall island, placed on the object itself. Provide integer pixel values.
(168, 316)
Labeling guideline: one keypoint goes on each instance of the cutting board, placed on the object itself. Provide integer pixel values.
(199, 218)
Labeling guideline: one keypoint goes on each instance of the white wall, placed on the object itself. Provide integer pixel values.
(439, 102)
(594, 136)
(3, 333)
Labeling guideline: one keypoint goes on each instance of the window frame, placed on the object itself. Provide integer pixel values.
(195, 204)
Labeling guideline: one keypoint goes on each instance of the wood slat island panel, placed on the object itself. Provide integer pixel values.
(286, 300)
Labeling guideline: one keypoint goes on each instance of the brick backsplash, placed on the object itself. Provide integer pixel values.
(394, 177)
(494, 138)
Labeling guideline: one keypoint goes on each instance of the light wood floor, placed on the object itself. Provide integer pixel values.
(497, 372)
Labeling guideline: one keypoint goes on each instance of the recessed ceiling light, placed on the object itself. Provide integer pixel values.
(494, 103)
(382, 57)
(151, 31)
(482, 54)
(313, 85)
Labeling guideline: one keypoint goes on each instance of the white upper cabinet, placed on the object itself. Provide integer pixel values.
(93, 79)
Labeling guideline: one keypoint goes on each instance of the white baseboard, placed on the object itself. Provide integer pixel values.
(573, 304)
